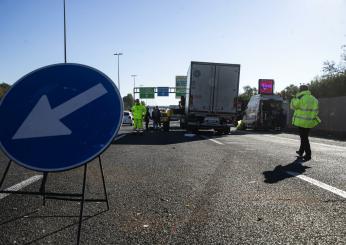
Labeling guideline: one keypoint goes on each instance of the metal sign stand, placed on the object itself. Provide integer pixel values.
(75, 197)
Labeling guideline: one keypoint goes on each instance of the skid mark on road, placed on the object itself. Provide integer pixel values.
(215, 141)
(21, 185)
(318, 183)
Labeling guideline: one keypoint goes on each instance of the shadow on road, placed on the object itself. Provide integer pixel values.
(18, 217)
(280, 172)
(177, 135)
(159, 137)
(259, 131)
(67, 226)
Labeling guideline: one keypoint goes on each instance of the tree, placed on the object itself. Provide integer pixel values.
(248, 92)
(128, 101)
(3, 89)
(244, 98)
(289, 92)
(331, 69)
(333, 82)
(331, 86)
(343, 59)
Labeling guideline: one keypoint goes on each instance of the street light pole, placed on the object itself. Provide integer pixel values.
(134, 85)
(118, 54)
(64, 32)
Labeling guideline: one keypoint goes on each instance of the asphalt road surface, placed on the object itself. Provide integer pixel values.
(172, 188)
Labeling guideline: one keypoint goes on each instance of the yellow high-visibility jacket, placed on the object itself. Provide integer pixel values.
(305, 108)
(138, 111)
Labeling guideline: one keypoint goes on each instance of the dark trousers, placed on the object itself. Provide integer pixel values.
(304, 141)
(146, 124)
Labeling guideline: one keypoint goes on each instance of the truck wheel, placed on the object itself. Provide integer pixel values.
(192, 129)
(166, 126)
(195, 130)
(219, 131)
(228, 130)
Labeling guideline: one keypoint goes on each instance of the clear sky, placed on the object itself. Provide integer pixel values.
(286, 40)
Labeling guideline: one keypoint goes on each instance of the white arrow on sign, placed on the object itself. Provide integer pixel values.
(43, 121)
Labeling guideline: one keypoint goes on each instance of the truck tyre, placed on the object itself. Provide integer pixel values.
(195, 130)
(166, 126)
(228, 130)
(182, 125)
(219, 131)
(192, 129)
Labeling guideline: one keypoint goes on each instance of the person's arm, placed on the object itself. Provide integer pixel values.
(295, 104)
(317, 111)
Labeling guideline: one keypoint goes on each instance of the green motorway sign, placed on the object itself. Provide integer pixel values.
(180, 86)
(180, 92)
(147, 93)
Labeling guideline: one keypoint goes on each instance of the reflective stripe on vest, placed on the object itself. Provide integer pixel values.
(305, 118)
(312, 110)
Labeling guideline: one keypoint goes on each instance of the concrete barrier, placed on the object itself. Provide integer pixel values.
(333, 115)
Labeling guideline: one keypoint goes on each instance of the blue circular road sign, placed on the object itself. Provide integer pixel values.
(59, 117)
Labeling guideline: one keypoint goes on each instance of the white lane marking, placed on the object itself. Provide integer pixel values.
(215, 141)
(335, 147)
(319, 184)
(119, 137)
(21, 185)
(314, 143)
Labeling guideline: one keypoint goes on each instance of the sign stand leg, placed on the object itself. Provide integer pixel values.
(82, 205)
(77, 197)
(103, 182)
(43, 187)
(5, 173)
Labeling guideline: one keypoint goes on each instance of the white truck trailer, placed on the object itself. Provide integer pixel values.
(210, 103)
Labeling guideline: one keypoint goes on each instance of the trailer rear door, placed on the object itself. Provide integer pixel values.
(226, 88)
(201, 87)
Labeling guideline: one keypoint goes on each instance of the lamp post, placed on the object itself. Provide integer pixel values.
(134, 85)
(118, 54)
(64, 31)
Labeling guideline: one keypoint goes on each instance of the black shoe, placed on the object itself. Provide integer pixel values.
(299, 154)
(307, 158)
